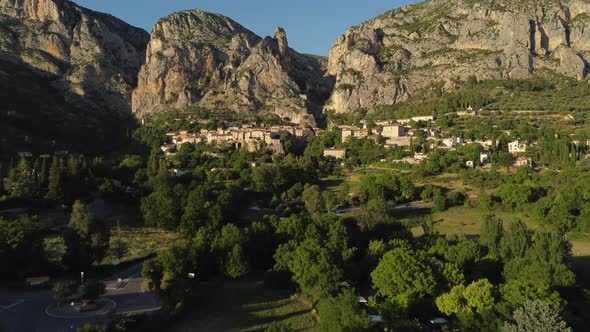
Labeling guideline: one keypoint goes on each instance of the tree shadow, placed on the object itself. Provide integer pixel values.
(581, 266)
(331, 183)
(268, 320)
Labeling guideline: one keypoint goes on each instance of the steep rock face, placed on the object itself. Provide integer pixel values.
(90, 55)
(431, 45)
(205, 59)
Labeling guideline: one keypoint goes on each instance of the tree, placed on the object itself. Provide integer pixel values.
(462, 253)
(154, 273)
(477, 297)
(195, 212)
(43, 173)
(236, 265)
(515, 195)
(179, 259)
(491, 233)
(64, 289)
(439, 202)
(372, 213)
(21, 180)
(20, 245)
(343, 313)
(227, 249)
(316, 261)
(536, 316)
(485, 201)
(504, 159)
(408, 190)
(515, 242)
(404, 276)
(160, 208)
(519, 291)
(312, 198)
(87, 239)
(153, 165)
(92, 290)
(56, 186)
(560, 215)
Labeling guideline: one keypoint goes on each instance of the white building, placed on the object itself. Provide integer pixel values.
(453, 142)
(517, 146)
(484, 157)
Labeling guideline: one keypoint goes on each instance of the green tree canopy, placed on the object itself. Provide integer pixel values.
(404, 275)
(87, 239)
(536, 316)
(491, 233)
(477, 297)
(22, 180)
(343, 313)
(312, 198)
(64, 289)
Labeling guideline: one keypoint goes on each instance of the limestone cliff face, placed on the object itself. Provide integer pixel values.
(92, 55)
(433, 44)
(205, 59)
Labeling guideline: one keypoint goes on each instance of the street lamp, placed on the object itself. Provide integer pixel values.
(82, 278)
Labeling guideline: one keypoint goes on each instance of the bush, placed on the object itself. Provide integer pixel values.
(440, 203)
(456, 198)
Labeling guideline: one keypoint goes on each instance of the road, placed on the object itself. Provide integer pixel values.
(25, 310)
(401, 207)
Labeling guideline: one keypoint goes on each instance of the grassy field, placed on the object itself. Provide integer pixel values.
(464, 220)
(138, 242)
(243, 306)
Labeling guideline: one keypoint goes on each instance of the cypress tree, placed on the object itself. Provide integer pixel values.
(153, 165)
(21, 180)
(1, 179)
(55, 187)
(36, 173)
(43, 174)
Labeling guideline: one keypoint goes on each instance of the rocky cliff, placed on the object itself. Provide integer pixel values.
(66, 76)
(431, 45)
(92, 55)
(205, 59)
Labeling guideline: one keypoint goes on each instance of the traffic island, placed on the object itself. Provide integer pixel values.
(98, 308)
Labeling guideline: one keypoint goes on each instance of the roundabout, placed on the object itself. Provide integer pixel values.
(102, 307)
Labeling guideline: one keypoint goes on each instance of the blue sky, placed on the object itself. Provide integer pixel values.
(312, 25)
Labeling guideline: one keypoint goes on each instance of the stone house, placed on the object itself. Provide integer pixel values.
(336, 153)
(522, 161)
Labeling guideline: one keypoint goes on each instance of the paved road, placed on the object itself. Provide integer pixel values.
(25, 310)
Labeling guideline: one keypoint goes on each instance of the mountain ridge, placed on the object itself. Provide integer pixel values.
(106, 68)
(84, 62)
(232, 68)
(430, 45)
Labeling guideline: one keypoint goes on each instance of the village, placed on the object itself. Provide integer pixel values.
(403, 133)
